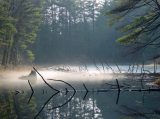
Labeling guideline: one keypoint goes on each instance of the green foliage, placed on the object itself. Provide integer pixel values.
(138, 22)
(75, 29)
(145, 19)
(16, 107)
(7, 106)
(123, 5)
(30, 55)
(7, 24)
(129, 38)
(19, 23)
(23, 46)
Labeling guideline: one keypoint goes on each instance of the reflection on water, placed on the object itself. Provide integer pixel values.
(20, 100)
(16, 107)
(95, 106)
(76, 109)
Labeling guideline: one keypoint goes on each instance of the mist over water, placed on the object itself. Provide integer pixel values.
(94, 104)
(77, 74)
(92, 59)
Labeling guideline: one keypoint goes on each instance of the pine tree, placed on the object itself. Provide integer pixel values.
(19, 20)
(143, 28)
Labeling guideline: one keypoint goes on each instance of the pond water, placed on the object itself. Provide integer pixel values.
(79, 93)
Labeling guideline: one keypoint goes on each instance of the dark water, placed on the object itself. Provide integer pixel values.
(70, 99)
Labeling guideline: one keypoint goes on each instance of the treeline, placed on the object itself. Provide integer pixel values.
(19, 23)
(59, 31)
(76, 31)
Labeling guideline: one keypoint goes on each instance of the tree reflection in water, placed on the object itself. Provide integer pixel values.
(99, 103)
(77, 108)
(14, 106)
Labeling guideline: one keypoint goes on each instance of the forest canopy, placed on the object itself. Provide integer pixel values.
(56, 31)
(19, 23)
(142, 26)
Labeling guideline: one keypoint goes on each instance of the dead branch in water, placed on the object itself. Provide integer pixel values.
(45, 81)
(110, 67)
(113, 87)
(118, 68)
(31, 90)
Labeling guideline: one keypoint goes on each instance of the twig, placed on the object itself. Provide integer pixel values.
(86, 91)
(118, 91)
(31, 90)
(74, 92)
(45, 81)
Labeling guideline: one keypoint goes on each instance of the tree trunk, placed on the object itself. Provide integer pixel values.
(5, 57)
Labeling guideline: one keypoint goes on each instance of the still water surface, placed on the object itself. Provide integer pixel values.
(35, 99)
